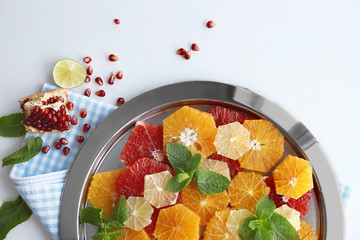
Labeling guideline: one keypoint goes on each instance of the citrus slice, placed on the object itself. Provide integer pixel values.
(293, 177)
(191, 127)
(177, 222)
(246, 189)
(234, 166)
(134, 235)
(216, 227)
(68, 73)
(215, 166)
(102, 192)
(232, 140)
(290, 214)
(267, 146)
(139, 212)
(306, 232)
(155, 192)
(203, 205)
(235, 219)
(224, 116)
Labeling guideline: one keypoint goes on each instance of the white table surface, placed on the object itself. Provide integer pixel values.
(305, 55)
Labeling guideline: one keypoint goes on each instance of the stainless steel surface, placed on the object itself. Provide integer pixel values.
(155, 102)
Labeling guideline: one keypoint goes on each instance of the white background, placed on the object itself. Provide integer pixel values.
(305, 55)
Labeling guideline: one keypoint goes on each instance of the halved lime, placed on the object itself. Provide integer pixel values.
(68, 73)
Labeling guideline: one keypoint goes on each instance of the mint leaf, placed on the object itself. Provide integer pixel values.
(263, 234)
(114, 224)
(264, 208)
(179, 156)
(13, 213)
(93, 216)
(257, 224)
(282, 228)
(11, 125)
(178, 183)
(194, 164)
(209, 182)
(26, 153)
(245, 232)
(178, 171)
(120, 212)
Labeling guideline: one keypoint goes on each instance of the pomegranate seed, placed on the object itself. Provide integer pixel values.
(119, 75)
(113, 58)
(89, 70)
(120, 101)
(187, 55)
(66, 150)
(181, 51)
(99, 81)
(70, 106)
(87, 92)
(87, 79)
(86, 127)
(63, 141)
(195, 47)
(83, 113)
(74, 120)
(210, 24)
(80, 139)
(45, 149)
(100, 93)
(87, 59)
(111, 78)
(57, 145)
(117, 21)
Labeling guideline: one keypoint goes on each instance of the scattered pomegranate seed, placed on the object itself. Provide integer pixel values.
(83, 113)
(74, 120)
(87, 79)
(45, 149)
(87, 59)
(119, 75)
(99, 81)
(120, 101)
(87, 92)
(187, 55)
(89, 70)
(57, 145)
(210, 24)
(66, 150)
(113, 58)
(111, 78)
(195, 47)
(100, 93)
(80, 139)
(181, 51)
(86, 127)
(70, 106)
(117, 21)
(63, 141)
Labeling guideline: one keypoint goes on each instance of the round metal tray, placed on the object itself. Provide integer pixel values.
(101, 151)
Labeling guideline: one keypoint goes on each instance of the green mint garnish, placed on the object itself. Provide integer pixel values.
(186, 167)
(12, 214)
(26, 153)
(120, 212)
(11, 126)
(267, 225)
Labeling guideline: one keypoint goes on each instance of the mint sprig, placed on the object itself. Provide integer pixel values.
(186, 167)
(267, 225)
(11, 125)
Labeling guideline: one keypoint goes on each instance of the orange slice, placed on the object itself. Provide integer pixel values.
(236, 217)
(102, 193)
(267, 146)
(215, 166)
(134, 235)
(140, 213)
(203, 205)
(216, 228)
(293, 177)
(306, 232)
(191, 127)
(246, 189)
(177, 222)
(232, 140)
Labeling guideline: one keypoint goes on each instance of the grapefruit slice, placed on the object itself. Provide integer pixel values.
(290, 214)
(236, 217)
(139, 212)
(215, 166)
(234, 166)
(224, 116)
(306, 232)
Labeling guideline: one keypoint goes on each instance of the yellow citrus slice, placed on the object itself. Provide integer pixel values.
(290, 214)
(232, 140)
(140, 213)
(68, 73)
(306, 232)
(203, 205)
(235, 219)
(267, 146)
(216, 227)
(155, 192)
(134, 235)
(215, 166)
(246, 189)
(177, 222)
(293, 177)
(191, 127)
(102, 191)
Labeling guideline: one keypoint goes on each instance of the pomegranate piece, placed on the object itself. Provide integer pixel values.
(80, 139)
(210, 24)
(45, 149)
(46, 111)
(74, 120)
(99, 81)
(87, 92)
(83, 113)
(100, 93)
(187, 55)
(116, 21)
(111, 78)
(119, 75)
(120, 101)
(70, 106)
(195, 47)
(86, 127)
(181, 51)
(87, 59)
(113, 58)
(57, 145)
(66, 150)
(63, 141)
(89, 70)
(87, 79)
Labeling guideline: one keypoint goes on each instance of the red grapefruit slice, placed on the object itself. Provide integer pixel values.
(224, 116)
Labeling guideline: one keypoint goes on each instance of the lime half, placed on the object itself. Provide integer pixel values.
(68, 73)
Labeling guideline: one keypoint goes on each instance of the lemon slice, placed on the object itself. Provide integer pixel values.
(235, 219)
(290, 214)
(140, 213)
(215, 166)
(68, 73)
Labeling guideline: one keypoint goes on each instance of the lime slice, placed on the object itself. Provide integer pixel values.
(68, 73)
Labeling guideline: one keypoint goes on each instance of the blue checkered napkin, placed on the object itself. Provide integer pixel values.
(40, 181)
(345, 193)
